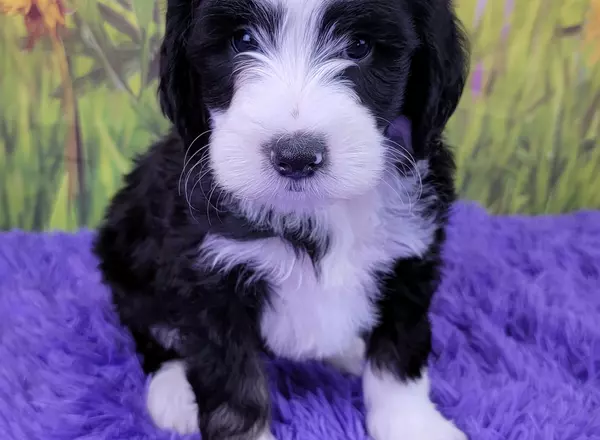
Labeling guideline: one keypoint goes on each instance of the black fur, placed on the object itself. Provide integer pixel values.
(149, 241)
(148, 249)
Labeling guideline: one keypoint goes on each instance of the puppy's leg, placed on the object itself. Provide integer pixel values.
(219, 389)
(170, 399)
(233, 393)
(395, 381)
(218, 384)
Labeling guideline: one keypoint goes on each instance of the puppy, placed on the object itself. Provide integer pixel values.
(297, 208)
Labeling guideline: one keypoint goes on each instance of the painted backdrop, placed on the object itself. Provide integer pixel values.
(78, 100)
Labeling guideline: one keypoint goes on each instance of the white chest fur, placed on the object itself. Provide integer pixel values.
(314, 315)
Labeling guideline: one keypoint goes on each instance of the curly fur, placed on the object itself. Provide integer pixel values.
(213, 257)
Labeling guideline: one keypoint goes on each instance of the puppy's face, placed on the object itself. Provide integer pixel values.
(298, 93)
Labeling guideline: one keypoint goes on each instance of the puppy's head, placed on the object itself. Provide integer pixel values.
(298, 93)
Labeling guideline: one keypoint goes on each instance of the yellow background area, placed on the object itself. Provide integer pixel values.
(78, 101)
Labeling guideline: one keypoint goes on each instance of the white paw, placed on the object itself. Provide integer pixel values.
(266, 435)
(411, 425)
(171, 401)
(352, 360)
(403, 411)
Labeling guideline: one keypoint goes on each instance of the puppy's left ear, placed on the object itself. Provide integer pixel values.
(179, 87)
(439, 69)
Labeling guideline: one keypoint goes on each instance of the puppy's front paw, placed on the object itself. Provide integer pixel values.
(172, 404)
(171, 401)
(411, 424)
(266, 435)
(402, 410)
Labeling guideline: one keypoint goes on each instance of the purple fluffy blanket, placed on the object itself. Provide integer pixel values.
(516, 328)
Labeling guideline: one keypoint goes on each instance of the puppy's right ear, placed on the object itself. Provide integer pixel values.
(179, 87)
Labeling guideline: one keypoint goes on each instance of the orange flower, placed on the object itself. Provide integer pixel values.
(47, 17)
(591, 34)
(42, 17)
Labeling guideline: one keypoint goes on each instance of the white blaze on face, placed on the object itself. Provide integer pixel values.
(293, 84)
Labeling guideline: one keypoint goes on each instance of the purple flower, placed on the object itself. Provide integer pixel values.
(477, 80)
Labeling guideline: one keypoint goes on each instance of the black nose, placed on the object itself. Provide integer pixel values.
(297, 155)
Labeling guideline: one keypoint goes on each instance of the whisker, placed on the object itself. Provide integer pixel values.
(223, 194)
(384, 120)
(185, 159)
(192, 143)
(410, 199)
(196, 183)
(417, 193)
(209, 205)
(187, 179)
(412, 162)
(190, 206)
(186, 165)
(410, 205)
(187, 162)
(404, 151)
(203, 174)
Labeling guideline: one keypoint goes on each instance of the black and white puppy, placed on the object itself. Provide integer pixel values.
(284, 214)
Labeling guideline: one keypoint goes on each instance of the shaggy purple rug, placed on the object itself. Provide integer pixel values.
(516, 337)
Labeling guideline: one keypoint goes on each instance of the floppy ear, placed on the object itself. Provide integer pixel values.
(439, 69)
(179, 87)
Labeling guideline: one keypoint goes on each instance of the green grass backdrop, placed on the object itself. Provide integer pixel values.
(526, 134)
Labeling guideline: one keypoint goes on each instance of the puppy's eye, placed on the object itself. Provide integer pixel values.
(243, 41)
(358, 48)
